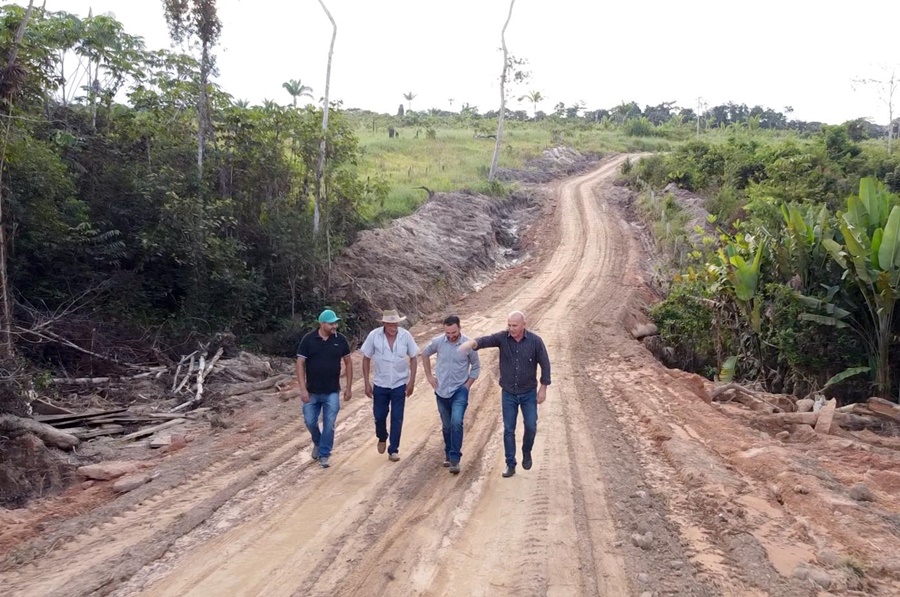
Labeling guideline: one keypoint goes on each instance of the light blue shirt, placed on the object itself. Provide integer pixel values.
(453, 369)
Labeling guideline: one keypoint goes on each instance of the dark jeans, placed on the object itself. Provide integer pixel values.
(389, 401)
(452, 411)
(511, 404)
(328, 405)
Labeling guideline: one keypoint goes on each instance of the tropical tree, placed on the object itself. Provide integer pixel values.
(297, 90)
(409, 97)
(535, 97)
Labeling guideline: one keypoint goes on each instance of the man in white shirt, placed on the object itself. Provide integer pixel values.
(394, 352)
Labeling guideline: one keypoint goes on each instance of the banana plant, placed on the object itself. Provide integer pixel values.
(869, 254)
(800, 248)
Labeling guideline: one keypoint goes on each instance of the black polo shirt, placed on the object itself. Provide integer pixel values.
(323, 361)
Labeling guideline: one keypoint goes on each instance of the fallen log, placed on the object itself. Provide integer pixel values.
(884, 408)
(49, 435)
(111, 430)
(245, 388)
(846, 420)
(151, 430)
(53, 419)
(745, 396)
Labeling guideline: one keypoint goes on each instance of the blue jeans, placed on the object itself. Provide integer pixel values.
(328, 405)
(452, 411)
(511, 404)
(389, 401)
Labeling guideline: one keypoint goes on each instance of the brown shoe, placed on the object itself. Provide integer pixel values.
(394, 457)
(382, 446)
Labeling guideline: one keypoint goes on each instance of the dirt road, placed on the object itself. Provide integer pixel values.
(639, 486)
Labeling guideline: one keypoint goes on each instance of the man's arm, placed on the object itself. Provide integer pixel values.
(413, 365)
(426, 363)
(426, 366)
(492, 341)
(366, 362)
(348, 371)
(301, 378)
(544, 362)
(474, 368)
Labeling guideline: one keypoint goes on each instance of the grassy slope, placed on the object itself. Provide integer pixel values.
(454, 159)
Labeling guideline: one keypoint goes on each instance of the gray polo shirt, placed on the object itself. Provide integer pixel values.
(453, 369)
(519, 360)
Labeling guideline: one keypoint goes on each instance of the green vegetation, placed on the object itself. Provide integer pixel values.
(801, 280)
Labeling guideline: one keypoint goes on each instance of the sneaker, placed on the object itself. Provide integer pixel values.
(323, 462)
(510, 471)
(454, 468)
(526, 460)
(394, 457)
(382, 446)
(315, 452)
(446, 462)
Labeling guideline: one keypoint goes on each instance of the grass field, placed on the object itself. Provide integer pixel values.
(454, 159)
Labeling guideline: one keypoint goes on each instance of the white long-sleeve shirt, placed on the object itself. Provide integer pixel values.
(390, 366)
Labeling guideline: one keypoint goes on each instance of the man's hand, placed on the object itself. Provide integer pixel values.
(347, 393)
(369, 392)
(432, 380)
(410, 387)
(304, 395)
(542, 394)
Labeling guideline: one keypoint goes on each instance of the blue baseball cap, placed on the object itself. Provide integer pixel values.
(328, 316)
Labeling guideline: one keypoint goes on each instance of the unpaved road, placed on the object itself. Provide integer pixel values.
(639, 487)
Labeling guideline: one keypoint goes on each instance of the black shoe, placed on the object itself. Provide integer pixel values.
(526, 461)
(454, 468)
(510, 471)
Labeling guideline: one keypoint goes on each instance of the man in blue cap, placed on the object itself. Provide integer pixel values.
(319, 373)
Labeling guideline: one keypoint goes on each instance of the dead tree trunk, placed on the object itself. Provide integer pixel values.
(320, 170)
(502, 95)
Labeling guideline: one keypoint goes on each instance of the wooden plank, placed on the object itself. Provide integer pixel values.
(151, 430)
(826, 417)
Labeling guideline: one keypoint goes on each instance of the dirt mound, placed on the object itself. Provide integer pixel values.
(420, 262)
(552, 164)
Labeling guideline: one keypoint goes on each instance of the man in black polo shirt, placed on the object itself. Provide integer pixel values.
(521, 352)
(319, 373)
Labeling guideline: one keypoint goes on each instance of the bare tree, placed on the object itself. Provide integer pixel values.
(502, 94)
(320, 171)
(886, 88)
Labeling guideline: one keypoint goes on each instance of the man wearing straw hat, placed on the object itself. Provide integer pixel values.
(394, 351)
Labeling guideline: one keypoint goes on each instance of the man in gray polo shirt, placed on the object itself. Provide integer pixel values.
(456, 372)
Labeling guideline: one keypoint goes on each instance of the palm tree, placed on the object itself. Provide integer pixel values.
(409, 97)
(296, 89)
(535, 97)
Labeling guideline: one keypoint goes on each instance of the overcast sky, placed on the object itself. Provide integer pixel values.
(775, 53)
